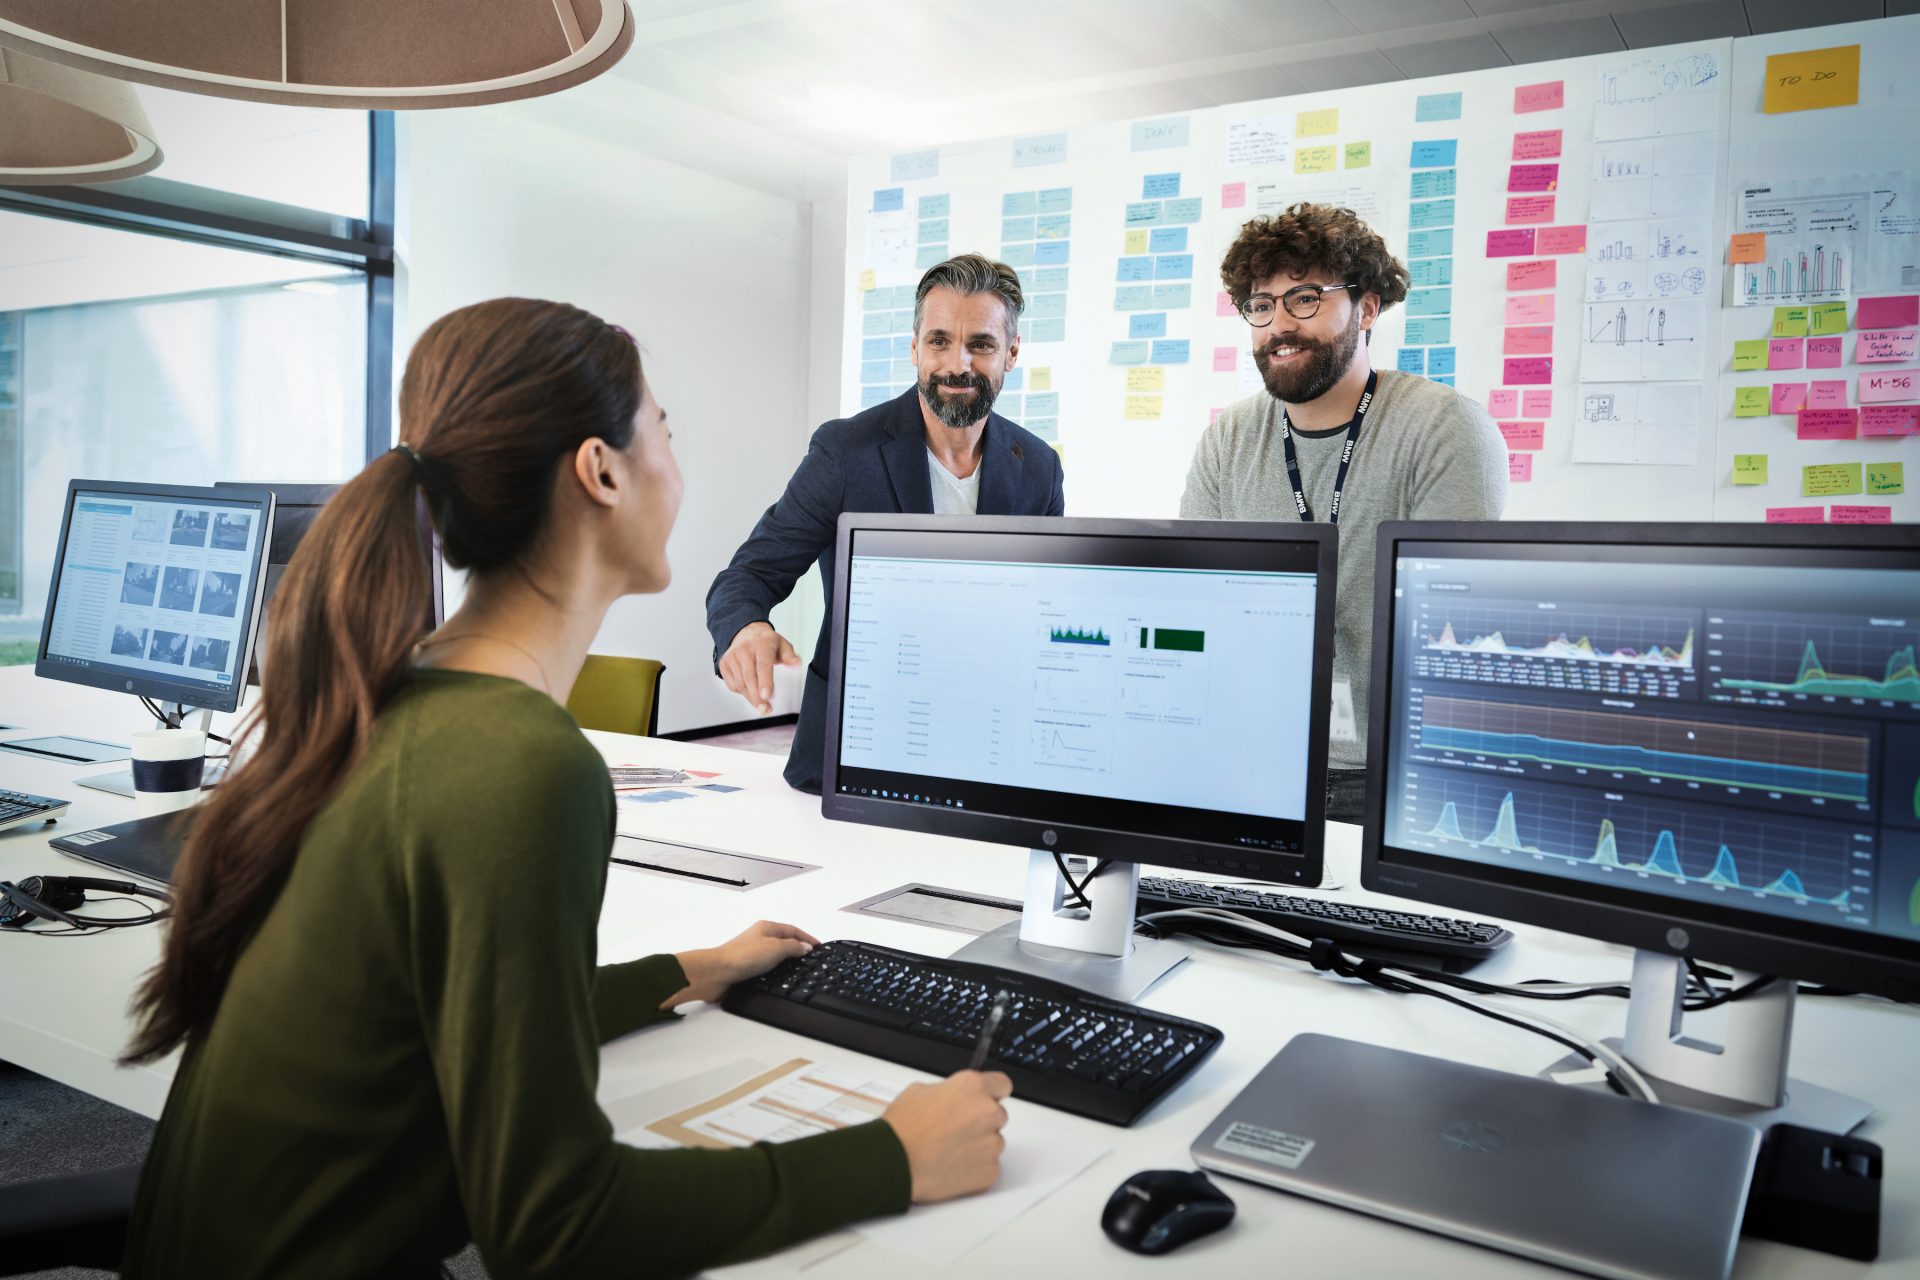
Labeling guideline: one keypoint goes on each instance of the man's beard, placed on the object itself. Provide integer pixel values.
(959, 411)
(1325, 365)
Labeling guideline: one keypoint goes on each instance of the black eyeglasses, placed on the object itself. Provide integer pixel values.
(1301, 302)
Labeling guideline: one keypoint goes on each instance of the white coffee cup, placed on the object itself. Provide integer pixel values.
(168, 767)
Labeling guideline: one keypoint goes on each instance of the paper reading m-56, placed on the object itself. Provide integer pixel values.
(1269, 1146)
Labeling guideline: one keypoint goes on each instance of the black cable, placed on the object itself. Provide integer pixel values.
(175, 722)
(1077, 893)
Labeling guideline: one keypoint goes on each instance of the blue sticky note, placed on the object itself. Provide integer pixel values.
(1144, 214)
(1173, 266)
(1133, 269)
(1429, 331)
(1049, 279)
(1017, 255)
(1016, 229)
(903, 343)
(876, 371)
(1446, 381)
(1159, 135)
(1015, 203)
(887, 199)
(1440, 360)
(1050, 253)
(1016, 378)
(902, 322)
(869, 397)
(1167, 240)
(1056, 200)
(1050, 330)
(1053, 226)
(1187, 210)
(1159, 186)
(1170, 351)
(1133, 297)
(1047, 429)
(1128, 353)
(1413, 360)
(1429, 107)
(1167, 297)
(1430, 183)
(1044, 404)
(1045, 148)
(1430, 213)
(877, 300)
(930, 255)
(1042, 305)
(1434, 153)
(1151, 325)
(1427, 272)
(933, 229)
(935, 206)
(903, 295)
(903, 370)
(1009, 406)
(916, 166)
(876, 348)
(1430, 244)
(1430, 302)
(876, 322)
(1026, 330)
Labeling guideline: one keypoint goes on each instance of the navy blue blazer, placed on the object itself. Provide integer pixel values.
(873, 461)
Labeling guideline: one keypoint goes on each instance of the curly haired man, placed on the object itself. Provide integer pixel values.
(1331, 438)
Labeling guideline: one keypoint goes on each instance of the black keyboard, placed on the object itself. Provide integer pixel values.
(17, 807)
(1365, 929)
(1063, 1048)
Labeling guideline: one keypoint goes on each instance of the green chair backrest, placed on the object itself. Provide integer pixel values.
(618, 695)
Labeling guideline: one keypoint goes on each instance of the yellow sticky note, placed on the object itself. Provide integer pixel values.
(1813, 79)
(866, 280)
(1147, 378)
(1886, 477)
(1827, 317)
(1748, 356)
(1041, 379)
(1789, 322)
(1316, 124)
(1142, 408)
(1359, 155)
(1749, 468)
(1829, 479)
(1316, 159)
(1751, 402)
(1137, 240)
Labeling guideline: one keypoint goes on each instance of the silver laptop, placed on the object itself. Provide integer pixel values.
(1584, 1179)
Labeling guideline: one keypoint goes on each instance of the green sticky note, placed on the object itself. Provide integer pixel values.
(1749, 468)
(1359, 155)
(1748, 356)
(1751, 402)
(1789, 322)
(1886, 477)
(1829, 479)
(1827, 317)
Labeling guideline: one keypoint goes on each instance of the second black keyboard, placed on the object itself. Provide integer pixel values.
(1353, 925)
(1062, 1047)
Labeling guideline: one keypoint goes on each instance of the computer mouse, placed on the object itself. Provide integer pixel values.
(1157, 1210)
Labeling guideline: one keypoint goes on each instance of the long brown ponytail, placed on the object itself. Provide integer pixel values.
(495, 396)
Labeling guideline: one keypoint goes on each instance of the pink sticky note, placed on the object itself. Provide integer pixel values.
(1535, 308)
(1889, 384)
(1796, 515)
(1226, 359)
(1534, 371)
(1786, 353)
(1233, 195)
(1214, 413)
(1537, 404)
(1510, 244)
(1890, 420)
(1888, 313)
(1503, 402)
(1529, 209)
(1542, 144)
(1883, 346)
(1789, 397)
(1533, 177)
(1519, 467)
(1542, 273)
(1824, 353)
(1828, 424)
(1223, 305)
(1524, 435)
(1528, 340)
(1861, 515)
(1558, 240)
(1540, 97)
(1828, 394)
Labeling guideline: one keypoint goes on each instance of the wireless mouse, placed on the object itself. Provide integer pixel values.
(1157, 1210)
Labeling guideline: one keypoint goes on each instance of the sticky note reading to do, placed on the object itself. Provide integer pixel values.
(1812, 80)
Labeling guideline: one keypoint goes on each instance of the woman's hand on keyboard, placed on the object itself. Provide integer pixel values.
(712, 970)
(951, 1132)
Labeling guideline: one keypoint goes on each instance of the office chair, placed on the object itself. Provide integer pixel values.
(618, 695)
(75, 1221)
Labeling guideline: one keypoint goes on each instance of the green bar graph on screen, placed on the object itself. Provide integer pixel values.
(1179, 641)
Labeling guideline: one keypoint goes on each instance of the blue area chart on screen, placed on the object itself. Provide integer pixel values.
(1168, 686)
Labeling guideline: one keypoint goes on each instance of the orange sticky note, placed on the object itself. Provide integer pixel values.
(1747, 246)
(1813, 79)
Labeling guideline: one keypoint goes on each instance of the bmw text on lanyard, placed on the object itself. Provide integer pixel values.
(1346, 456)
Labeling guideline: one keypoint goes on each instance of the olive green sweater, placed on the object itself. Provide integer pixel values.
(406, 1055)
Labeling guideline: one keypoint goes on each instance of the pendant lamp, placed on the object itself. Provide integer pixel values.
(362, 54)
(61, 125)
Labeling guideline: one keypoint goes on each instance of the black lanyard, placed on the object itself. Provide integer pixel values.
(1346, 456)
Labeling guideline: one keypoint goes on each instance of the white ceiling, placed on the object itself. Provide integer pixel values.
(857, 76)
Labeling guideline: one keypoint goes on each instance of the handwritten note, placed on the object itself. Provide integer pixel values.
(1317, 124)
(1519, 468)
(1848, 514)
(1886, 477)
(1524, 435)
(1316, 159)
(1827, 317)
(1529, 209)
(1749, 354)
(1528, 340)
(1789, 397)
(1233, 195)
(1503, 402)
(1899, 312)
(1536, 308)
(1796, 515)
(1413, 360)
(1893, 384)
(1533, 177)
(1160, 135)
(1147, 378)
(1534, 371)
(1828, 424)
(1223, 304)
(1749, 468)
(867, 280)
(1883, 346)
(1890, 420)
(1786, 353)
(1431, 107)
(1359, 155)
(1812, 80)
(1823, 353)
(1128, 353)
(1747, 246)
(1828, 393)
(1040, 379)
(1558, 240)
(1750, 402)
(1512, 243)
(1143, 408)
(1434, 153)
(1539, 97)
(1136, 243)
(1828, 479)
(1046, 148)
(1537, 404)
(1789, 322)
(1541, 273)
(1541, 144)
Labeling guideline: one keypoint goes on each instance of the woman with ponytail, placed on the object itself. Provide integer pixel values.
(381, 962)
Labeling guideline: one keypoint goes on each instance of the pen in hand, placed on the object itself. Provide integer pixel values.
(989, 1029)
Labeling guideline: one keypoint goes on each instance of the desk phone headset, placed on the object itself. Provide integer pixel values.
(56, 897)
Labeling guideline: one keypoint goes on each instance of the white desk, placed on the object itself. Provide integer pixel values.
(64, 1016)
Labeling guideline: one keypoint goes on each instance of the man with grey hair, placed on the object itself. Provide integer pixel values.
(938, 449)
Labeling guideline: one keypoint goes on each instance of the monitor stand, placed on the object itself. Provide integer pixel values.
(1094, 950)
(120, 781)
(1743, 1079)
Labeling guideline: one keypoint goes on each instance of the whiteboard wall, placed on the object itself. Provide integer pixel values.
(1127, 431)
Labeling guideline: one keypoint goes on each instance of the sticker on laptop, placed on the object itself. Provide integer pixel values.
(1269, 1146)
(88, 837)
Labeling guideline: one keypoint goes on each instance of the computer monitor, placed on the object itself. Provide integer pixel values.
(1133, 691)
(156, 590)
(1700, 741)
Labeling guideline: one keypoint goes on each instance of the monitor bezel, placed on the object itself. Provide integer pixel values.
(148, 684)
(1867, 962)
(1297, 868)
